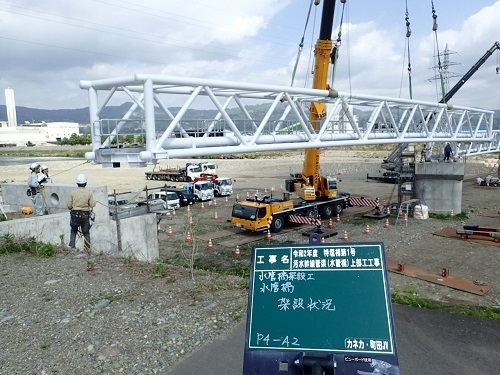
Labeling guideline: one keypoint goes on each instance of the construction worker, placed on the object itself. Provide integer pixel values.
(423, 154)
(35, 189)
(45, 178)
(447, 152)
(80, 202)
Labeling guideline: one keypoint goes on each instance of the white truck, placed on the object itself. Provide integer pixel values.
(171, 199)
(223, 186)
(203, 190)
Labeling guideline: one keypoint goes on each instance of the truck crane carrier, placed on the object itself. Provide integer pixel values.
(316, 196)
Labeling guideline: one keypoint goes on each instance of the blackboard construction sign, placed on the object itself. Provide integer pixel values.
(331, 298)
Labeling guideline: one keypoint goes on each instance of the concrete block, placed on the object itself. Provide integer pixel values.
(55, 197)
(139, 237)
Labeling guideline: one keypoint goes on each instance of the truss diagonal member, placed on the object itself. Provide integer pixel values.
(437, 120)
(245, 112)
(163, 107)
(119, 125)
(392, 121)
(212, 123)
(281, 120)
(108, 98)
(265, 119)
(177, 119)
(327, 123)
(297, 112)
(373, 117)
(230, 122)
(350, 117)
(424, 121)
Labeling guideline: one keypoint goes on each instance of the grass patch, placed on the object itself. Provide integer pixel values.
(458, 217)
(410, 297)
(9, 244)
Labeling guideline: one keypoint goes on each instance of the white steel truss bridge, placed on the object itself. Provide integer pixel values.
(159, 132)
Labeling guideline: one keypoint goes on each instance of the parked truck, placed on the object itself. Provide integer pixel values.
(202, 190)
(187, 173)
(316, 197)
(223, 186)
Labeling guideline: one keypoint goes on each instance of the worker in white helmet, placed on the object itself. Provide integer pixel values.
(35, 187)
(80, 202)
(44, 177)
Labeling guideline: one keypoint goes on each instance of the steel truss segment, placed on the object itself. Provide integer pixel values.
(351, 119)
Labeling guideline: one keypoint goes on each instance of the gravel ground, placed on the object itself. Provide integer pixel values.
(81, 314)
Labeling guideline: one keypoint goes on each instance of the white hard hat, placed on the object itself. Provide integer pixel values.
(81, 179)
(44, 168)
(34, 166)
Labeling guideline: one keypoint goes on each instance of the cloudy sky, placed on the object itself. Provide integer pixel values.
(48, 46)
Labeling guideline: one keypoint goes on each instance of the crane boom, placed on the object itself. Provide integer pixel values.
(470, 72)
(309, 186)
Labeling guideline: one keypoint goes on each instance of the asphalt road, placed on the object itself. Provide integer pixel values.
(429, 343)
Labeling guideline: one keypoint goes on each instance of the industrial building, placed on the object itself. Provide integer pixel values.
(39, 133)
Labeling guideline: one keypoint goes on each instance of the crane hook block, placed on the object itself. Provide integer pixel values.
(316, 2)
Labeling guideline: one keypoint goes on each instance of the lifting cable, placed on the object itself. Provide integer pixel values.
(301, 44)
(408, 34)
(337, 44)
(440, 67)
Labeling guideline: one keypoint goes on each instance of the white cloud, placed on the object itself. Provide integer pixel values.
(50, 46)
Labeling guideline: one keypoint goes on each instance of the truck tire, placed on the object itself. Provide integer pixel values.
(311, 214)
(338, 207)
(327, 211)
(277, 224)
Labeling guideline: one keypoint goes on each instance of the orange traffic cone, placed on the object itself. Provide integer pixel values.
(170, 232)
(174, 213)
(268, 235)
(237, 197)
(345, 236)
(215, 202)
(215, 216)
(367, 230)
(265, 190)
(330, 224)
(188, 210)
(188, 237)
(248, 194)
(191, 221)
(227, 199)
(322, 239)
(281, 187)
(405, 220)
(237, 252)
(386, 223)
(210, 245)
(202, 205)
(338, 218)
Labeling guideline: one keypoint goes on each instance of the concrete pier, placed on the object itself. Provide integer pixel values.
(439, 186)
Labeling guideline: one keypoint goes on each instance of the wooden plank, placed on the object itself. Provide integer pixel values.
(449, 281)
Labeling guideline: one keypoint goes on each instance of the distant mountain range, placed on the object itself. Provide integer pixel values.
(81, 115)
